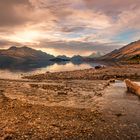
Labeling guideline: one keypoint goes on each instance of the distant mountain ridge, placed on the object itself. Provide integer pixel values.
(60, 58)
(63, 57)
(95, 55)
(17, 56)
(25, 53)
(22, 55)
(125, 53)
(77, 58)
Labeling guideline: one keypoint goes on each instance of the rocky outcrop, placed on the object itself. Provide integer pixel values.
(132, 87)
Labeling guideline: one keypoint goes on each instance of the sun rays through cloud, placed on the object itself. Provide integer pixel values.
(68, 26)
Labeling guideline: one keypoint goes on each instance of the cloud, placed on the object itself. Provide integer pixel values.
(70, 26)
(6, 44)
(15, 12)
(114, 7)
(77, 47)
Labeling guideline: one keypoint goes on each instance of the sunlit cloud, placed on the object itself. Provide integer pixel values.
(69, 27)
(24, 37)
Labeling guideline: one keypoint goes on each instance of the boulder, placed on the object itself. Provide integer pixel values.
(132, 87)
(98, 67)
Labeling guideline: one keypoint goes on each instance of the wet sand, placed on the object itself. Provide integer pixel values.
(68, 109)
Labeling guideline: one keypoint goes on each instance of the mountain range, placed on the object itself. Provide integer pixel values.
(24, 58)
(95, 55)
(23, 55)
(26, 55)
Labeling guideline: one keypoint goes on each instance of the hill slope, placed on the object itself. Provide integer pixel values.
(15, 54)
(125, 53)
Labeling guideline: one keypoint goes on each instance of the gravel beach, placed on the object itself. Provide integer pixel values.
(68, 109)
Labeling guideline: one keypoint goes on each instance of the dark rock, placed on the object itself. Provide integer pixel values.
(1, 90)
(98, 67)
(112, 81)
(8, 138)
(62, 93)
(119, 114)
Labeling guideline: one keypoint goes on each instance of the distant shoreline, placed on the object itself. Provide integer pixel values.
(104, 73)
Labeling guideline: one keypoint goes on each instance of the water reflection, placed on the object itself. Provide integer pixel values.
(16, 71)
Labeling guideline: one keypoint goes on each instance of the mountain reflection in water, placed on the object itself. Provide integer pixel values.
(15, 71)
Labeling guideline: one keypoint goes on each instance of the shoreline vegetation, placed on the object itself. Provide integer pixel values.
(81, 104)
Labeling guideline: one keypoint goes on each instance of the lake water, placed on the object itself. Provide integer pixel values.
(16, 72)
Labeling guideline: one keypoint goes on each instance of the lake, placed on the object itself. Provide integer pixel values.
(15, 72)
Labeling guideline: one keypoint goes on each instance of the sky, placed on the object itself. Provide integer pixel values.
(69, 27)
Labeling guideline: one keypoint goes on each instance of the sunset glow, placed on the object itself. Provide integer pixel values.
(25, 37)
(69, 27)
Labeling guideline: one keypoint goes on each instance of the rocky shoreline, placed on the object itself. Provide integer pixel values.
(104, 73)
(77, 105)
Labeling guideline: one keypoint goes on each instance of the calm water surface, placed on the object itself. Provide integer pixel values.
(16, 73)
